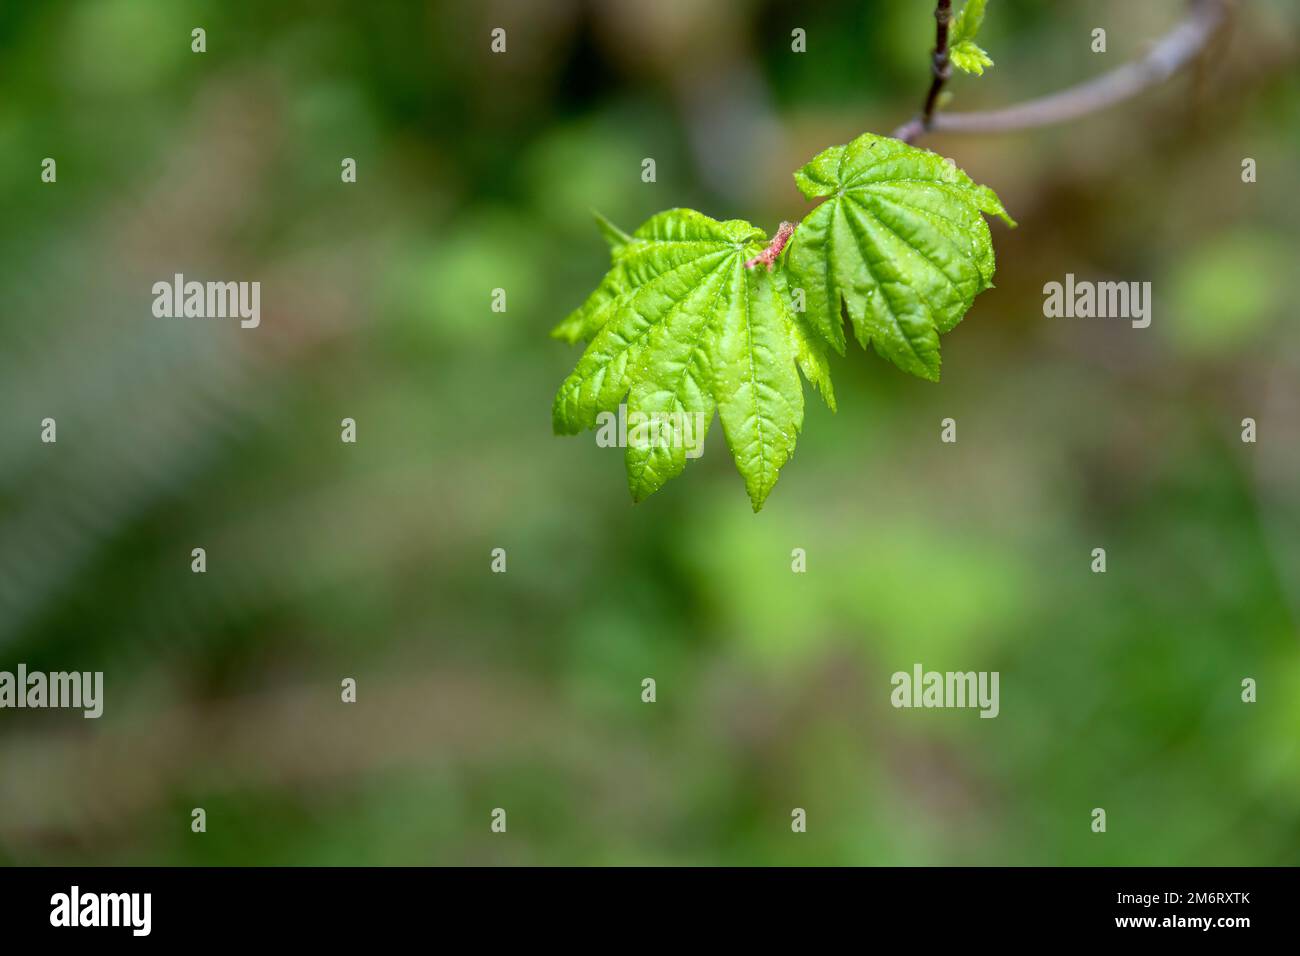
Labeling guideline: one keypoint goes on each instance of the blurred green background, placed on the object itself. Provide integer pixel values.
(522, 690)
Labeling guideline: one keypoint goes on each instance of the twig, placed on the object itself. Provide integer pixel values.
(769, 255)
(1170, 54)
(940, 68)
(940, 72)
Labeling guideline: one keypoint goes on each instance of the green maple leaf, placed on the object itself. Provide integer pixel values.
(969, 57)
(962, 49)
(681, 328)
(900, 244)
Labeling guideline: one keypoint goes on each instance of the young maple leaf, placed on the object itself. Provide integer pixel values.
(900, 243)
(964, 53)
(680, 327)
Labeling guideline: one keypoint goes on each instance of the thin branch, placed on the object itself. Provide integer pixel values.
(1170, 54)
(940, 68)
(773, 250)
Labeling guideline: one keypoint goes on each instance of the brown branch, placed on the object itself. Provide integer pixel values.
(940, 68)
(769, 255)
(1170, 54)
